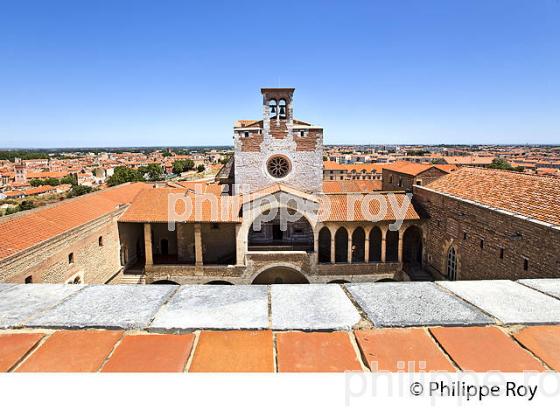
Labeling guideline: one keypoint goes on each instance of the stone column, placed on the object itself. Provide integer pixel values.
(148, 244)
(350, 246)
(333, 248)
(239, 248)
(400, 246)
(198, 245)
(383, 245)
(366, 249)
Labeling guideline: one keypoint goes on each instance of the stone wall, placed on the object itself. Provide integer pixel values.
(49, 261)
(490, 244)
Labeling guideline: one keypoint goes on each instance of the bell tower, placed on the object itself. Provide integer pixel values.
(278, 148)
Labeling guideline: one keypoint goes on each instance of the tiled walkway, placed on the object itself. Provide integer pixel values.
(481, 348)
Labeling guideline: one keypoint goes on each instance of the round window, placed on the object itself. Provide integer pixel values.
(278, 166)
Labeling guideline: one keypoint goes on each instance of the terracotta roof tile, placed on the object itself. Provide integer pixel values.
(532, 196)
(22, 231)
(351, 186)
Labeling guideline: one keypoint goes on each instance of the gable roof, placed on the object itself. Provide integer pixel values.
(26, 229)
(352, 185)
(532, 196)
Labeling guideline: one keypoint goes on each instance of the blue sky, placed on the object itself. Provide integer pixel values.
(121, 73)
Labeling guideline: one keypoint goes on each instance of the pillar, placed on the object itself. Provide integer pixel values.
(366, 248)
(333, 248)
(400, 246)
(239, 249)
(198, 245)
(148, 244)
(383, 245)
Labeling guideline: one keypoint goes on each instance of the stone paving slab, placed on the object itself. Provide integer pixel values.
(549, 286)
(414, 304)
(312, 307)
(215, 307)
(21, 302)
(509, 302)
(6, 286)
(107, 306)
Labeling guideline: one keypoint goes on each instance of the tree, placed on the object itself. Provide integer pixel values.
(154, 172)
(500, 163)
(123, 175)
(178, 167)
(36, 182)
(189, 164)
(78, 190)
(68, 179)
(200, 168)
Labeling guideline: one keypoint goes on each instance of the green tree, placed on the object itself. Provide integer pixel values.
(200, 168)
(154, 171)
(189, 164)
(68, 179)
(78, 190)
(123, 175)
(36, 182)
(178, 167)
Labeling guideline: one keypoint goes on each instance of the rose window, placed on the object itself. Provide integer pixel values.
(278, 166)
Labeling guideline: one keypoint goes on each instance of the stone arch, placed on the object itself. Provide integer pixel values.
(164, 282)
(375, 243)
(341, 245)
(392, 246)
(218, 282)
(358, 245)
(299, 234)
(324, 245)
(279, 274)
(412, 246)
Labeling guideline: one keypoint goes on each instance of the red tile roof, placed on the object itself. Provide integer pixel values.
(532, 196)
(351, 186)
(24, 230)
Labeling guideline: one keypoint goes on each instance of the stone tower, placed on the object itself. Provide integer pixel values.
(278, 148)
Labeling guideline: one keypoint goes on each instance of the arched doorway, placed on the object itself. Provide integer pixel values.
(324, 245)
(280, 275)
(296, 235)
(412, 247)
(392, 246)
(341, 246)
(358, 245)
(375, 245)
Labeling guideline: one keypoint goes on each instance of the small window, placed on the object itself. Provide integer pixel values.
(390, 179)
(419, 182)
(100, 241)
(29, 279)
(501, 253)
(525, 264)
(246, 134)
(302, 133)
(465, 236)
(482, 244)
(400, 181)
(71, 258)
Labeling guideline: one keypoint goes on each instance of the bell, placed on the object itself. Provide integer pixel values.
(282, 111)
(273, 110)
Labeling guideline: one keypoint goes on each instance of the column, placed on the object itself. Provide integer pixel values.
(383, 244)
(239, 250)
(333, 248)
(400, 246)
(148, 244)
(198, 245)
(349, 246)
(366, 246)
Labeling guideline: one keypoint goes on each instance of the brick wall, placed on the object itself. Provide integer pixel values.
(507, 240)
